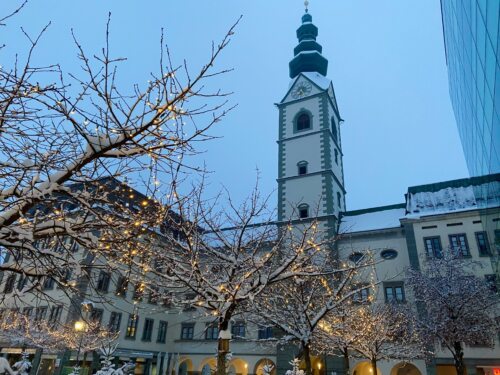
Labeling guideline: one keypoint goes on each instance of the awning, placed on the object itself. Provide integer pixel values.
(17, 350)
(133, 353)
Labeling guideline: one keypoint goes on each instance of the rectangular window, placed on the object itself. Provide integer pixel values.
(147, 332)
(28, 312)
(433, 247)
(122, 286)
(67, 275)
(362, 296)
(189, 302)
(21, 283)
(115, 321)
(40, 313)
(187, 331)
(138, 292)
(55, 314)
(212, 332)
(72, 245)
(153, 295)
(238, 330)
(491, 280)
(497, 240)
(336, 157)
(265, 333)
(48, 284)
(9, 283)
(394, 293)
(96, 316)
(133, 320)
(103, 282)
(482, 243)
(162, 332)
(458, 243)
(166, 299)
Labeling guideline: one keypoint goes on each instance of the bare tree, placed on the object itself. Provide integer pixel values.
(458, 307)
(339, 331)
(65, 139)
(297, 306)
(221, 260)
(18, 329)
(388, 332)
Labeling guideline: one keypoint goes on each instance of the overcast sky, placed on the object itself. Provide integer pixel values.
(386, 60)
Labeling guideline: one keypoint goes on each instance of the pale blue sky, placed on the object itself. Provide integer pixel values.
(386, 60)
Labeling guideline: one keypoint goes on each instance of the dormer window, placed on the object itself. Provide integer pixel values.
(303, 211)
(303, 122)
(302, 168)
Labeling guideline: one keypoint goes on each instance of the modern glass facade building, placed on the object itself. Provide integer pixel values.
(472, 45)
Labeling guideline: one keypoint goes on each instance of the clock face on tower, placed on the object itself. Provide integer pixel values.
(302, 89)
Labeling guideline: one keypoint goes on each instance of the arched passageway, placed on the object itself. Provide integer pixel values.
(259, 366)
(364, 368)
(405, 369)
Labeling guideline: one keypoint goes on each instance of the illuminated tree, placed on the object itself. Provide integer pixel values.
(20, 330)
(339, 331)
(458, 307)
(297, 306)
(384, 332)
(65, 139)
(221, 261)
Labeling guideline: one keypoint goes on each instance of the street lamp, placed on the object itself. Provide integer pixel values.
(79, 328)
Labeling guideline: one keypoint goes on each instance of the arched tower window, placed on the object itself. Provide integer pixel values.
(302, 167)
(339, 200)
(303, 210)
(303, 122)
(336, 156)
(334, 130)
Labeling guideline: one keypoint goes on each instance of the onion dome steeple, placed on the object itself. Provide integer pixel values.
(308, 57)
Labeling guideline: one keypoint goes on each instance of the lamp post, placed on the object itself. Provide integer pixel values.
(79, 328)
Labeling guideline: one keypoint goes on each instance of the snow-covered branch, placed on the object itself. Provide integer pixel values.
(457, 306)
(68, 139)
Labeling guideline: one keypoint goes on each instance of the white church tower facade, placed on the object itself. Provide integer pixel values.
(310, 172)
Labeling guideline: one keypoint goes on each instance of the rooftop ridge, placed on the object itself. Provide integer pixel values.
(373, 209)
(461, 182)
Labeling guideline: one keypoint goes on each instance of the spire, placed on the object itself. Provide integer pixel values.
(308, 57)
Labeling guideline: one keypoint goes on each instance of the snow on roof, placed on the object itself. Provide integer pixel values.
(315, 77)
(372, 219)
(453, 198)
(318, 79)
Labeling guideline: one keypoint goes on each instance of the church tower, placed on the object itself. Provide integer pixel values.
(310, 173)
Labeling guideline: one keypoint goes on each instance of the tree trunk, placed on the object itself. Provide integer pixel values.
(345, 353)
(222, 350)
(222, 347)
(84, 360)
(307, 358)
(459, 358)
(374, 366)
